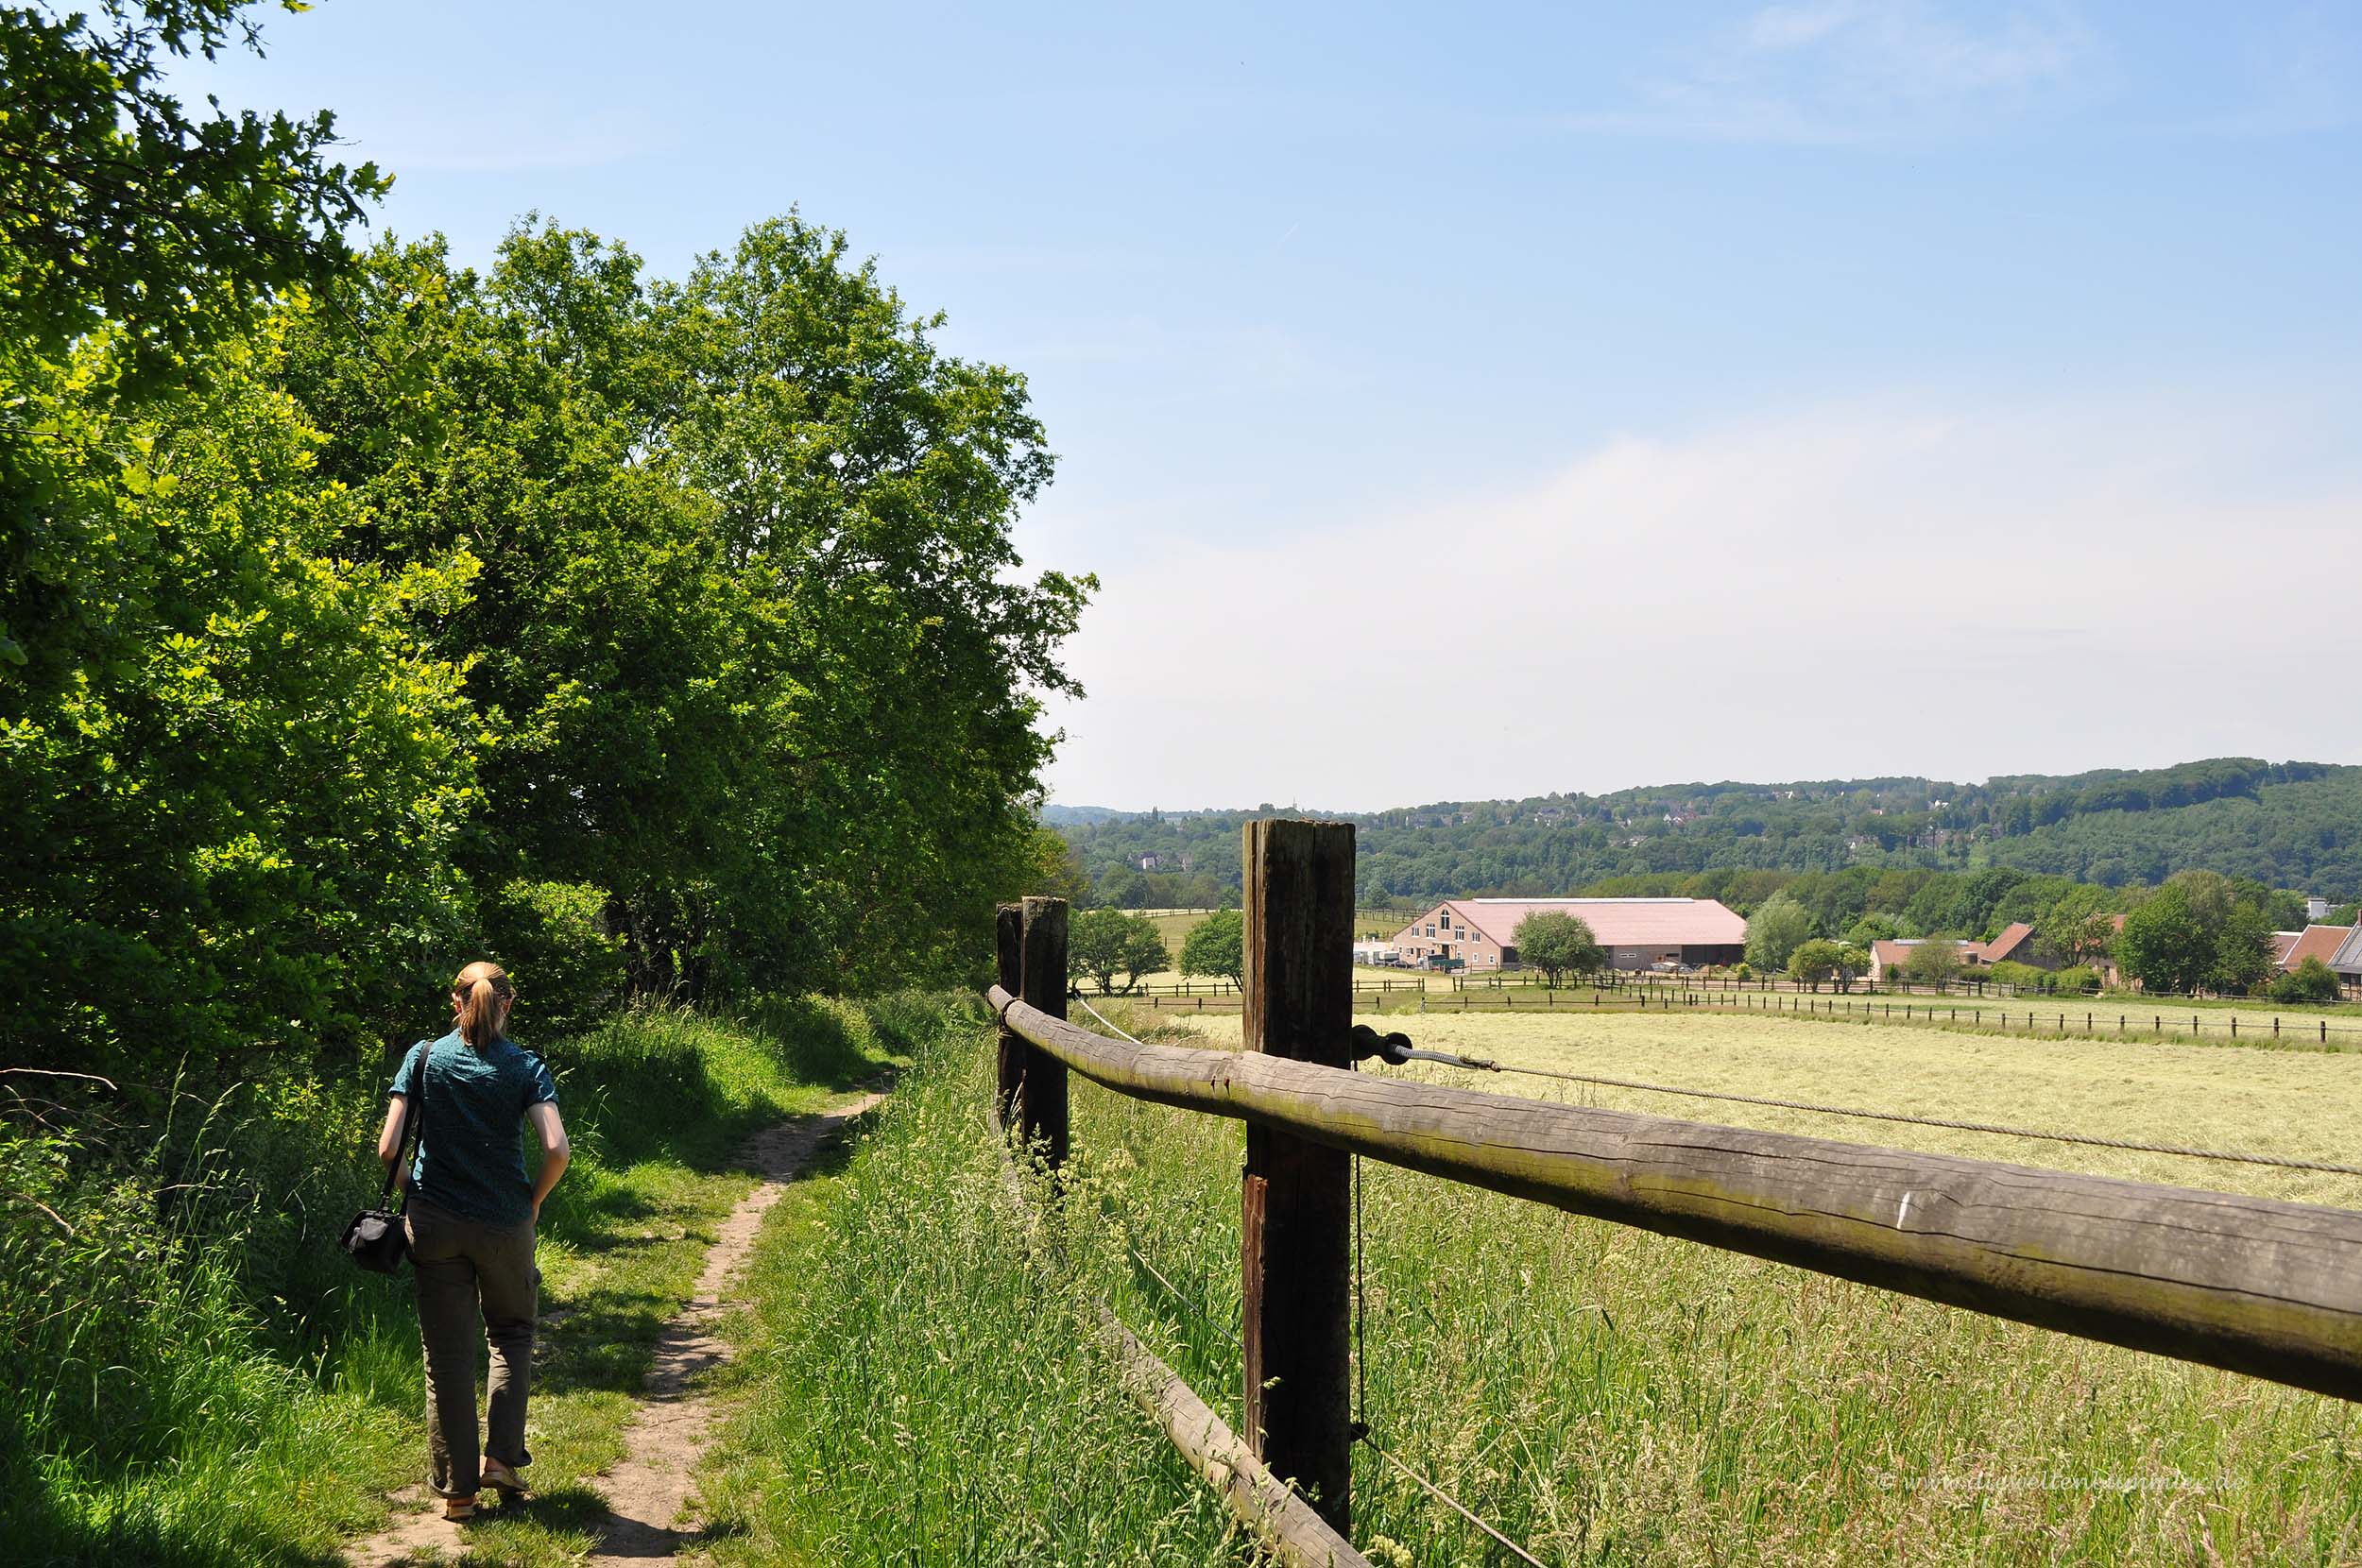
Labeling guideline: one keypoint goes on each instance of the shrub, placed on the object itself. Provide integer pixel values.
(2023, 976)
(553, 937)
(2076, 980)
(2309, 981)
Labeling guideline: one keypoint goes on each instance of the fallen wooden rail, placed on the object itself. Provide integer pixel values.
(2274, 1289)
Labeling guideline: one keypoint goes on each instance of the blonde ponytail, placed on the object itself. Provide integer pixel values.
(485, 993)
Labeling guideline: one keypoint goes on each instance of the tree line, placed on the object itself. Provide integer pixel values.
(2292, 824)
(361, 610)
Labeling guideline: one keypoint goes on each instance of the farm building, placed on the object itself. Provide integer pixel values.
(1638, 933)
(2339, 947)
(2013, 945)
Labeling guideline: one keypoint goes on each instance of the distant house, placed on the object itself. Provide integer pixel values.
(1150, 862)
(2338, 946)
(2013, 945)
(1638, 933)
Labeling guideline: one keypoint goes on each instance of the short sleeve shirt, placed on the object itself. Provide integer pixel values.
(471, 1157)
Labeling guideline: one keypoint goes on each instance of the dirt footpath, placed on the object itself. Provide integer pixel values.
(648, 1494)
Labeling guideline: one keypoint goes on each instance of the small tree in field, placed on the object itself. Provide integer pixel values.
(1812, 963)
(1935, 961)
(1852, 964)
(1103, 944)
(1217, 945)
(1555, 943)
(1775, 930)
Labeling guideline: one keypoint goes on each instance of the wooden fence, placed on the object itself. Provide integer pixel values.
(2268, 1288)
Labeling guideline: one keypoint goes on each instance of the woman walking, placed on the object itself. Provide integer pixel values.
(471, 1211)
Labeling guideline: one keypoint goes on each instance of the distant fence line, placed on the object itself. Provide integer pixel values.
(2064, 1021)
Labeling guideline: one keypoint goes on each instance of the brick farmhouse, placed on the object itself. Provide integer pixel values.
(1638, 933)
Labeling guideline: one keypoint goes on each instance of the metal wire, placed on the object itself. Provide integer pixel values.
(1480, 1064)
(1370, 1043)
(1452, 1502)
(1361, 1348)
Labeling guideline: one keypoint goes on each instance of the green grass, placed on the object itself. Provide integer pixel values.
(913, 1389)
(1610, 1396)
(198, 1378)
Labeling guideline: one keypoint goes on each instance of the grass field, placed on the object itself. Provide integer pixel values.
(1610, 1396)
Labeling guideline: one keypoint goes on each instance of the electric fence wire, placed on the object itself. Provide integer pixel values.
(1395, 1049)
(1361, 1426)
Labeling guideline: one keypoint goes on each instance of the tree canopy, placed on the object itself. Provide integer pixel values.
(1557, 944)
(1776, 930)
(1217, 945)
(358, 609)
(1105, 944)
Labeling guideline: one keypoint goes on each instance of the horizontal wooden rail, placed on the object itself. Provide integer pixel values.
(2269, 1289)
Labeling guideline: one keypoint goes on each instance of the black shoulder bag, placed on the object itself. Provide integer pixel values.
(376, 1238)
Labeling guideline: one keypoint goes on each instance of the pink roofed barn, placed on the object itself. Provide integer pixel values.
(1637, 933)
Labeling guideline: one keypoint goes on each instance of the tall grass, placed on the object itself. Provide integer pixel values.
(1610, 1396)
(915, 1389)
(194, 1376)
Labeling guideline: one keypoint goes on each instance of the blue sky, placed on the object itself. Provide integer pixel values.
(1488, 402)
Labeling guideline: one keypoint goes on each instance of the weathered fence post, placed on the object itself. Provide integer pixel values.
(1008, 942)
(1295, 1212)
(1041, 1077)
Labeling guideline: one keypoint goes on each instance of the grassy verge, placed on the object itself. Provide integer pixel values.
(197, 1378)
(911, 1389)
(1610, 1397)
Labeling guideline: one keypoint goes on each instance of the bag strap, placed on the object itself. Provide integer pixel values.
(413, 1127)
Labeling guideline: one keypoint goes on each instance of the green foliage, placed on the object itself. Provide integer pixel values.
(2077, 979)
(2243, 949)
(1103, 944)
(1934, 962)
(2165, 944)
(199, 1376)
(2076, 939)
(1874, 928)
(1814, 961)
(555, 935)
(2309, 981)
(1743, 973)
(1845, 846)
(900, 1329)
(1217, 945)
(1776, 930)
(748, 632)
(236, 780)
(1557, 944)
(2026, 976)
(124, 210)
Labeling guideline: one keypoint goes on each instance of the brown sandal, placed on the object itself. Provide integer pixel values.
(503, 1479)
(458, 1508)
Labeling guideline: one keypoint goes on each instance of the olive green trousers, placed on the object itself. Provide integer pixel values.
(464, 1266)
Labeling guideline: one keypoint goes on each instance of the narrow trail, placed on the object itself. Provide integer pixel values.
(648, 1491)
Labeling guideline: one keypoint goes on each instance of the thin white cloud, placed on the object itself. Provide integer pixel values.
(1847, 70)
(1852, 590)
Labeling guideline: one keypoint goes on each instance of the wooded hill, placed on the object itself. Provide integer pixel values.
(2290, 825)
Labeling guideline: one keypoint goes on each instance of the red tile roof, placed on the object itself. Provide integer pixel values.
(2321, 942)
(2007, 944)
(1616, 922)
